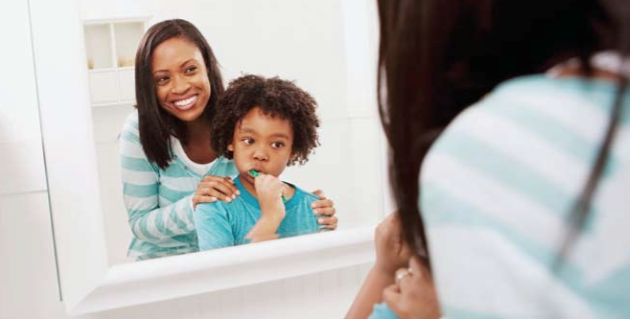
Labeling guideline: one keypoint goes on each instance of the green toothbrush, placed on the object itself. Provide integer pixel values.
(255, 174)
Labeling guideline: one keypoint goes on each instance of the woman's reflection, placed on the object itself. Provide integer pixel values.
(263, 125)
(167, 163)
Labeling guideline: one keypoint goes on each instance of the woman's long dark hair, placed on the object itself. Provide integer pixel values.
(155, 124)
(437, 57)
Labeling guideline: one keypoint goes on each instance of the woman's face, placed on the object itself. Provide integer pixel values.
(181, 78)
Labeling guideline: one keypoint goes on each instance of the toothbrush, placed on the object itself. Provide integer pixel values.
(255, 174)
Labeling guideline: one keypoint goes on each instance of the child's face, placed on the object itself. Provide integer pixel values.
(181, 78)
(261, 143)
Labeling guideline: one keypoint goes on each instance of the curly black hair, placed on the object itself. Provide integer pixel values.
(275, 97)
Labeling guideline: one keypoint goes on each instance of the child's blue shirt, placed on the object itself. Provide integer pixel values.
(221, 224)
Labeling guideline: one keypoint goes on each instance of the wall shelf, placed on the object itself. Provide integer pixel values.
(110, 46)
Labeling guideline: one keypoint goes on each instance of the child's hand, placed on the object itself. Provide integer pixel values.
(269, 190)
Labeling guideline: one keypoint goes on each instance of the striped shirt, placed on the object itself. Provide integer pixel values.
(159, 201)
(497, 190)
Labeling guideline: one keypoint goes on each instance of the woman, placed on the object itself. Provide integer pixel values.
(168, 166)
(518, 208)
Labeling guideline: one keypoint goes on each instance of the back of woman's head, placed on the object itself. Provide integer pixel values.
(437, 57)
(155, 124)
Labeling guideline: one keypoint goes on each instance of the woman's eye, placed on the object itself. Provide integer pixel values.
(191, 69)
(161, 80)
(248, 141)
(277, 144)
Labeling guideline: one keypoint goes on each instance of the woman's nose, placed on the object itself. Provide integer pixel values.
(180, 85)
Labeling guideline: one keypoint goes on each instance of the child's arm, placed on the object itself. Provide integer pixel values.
(269, 190)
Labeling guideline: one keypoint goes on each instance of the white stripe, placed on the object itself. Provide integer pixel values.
(139, 203)
(142, 178)
(153, 230)
(497, 200)
(482, 272)
(184, 184)
(168, 222)
(587, 120)
(563, 170)
(608, 242)
(131, 149)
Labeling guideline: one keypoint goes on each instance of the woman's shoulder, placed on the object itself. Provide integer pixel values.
(131, 122)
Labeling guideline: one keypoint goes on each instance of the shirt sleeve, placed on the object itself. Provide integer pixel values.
(140, 178)
(382, 311)
(213, 226)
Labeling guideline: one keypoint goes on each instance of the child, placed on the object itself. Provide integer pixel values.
(263, 125)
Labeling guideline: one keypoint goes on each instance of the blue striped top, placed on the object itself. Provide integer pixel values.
(159, 201)
(497, 190)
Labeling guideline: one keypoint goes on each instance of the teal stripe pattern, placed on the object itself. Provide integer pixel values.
(159, 201)
(496, 220)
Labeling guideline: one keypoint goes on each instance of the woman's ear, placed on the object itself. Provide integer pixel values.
(230, 148)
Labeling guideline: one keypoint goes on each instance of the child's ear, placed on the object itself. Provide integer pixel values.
(230, 148)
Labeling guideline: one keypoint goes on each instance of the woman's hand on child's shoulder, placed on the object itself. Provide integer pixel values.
(324, 209)
(213, 188)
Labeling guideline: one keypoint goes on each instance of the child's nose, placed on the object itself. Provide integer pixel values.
(260, 154)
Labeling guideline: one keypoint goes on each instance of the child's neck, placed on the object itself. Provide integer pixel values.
(289, 190)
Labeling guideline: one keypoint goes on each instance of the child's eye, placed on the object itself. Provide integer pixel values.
(248, 141)
(161, 80)
(277, 144)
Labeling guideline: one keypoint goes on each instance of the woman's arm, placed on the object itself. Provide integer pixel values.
(148, 221)
(391, 253)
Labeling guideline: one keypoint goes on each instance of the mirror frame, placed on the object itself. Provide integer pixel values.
(88, 282)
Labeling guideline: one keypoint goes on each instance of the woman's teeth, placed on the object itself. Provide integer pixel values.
(185, 104)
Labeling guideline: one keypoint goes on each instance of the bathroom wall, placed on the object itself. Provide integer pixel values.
(28, 277)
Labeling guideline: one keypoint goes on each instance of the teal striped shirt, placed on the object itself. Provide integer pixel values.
(497, 190)
(159, 201)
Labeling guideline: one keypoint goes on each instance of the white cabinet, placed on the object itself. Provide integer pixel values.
(110, 47)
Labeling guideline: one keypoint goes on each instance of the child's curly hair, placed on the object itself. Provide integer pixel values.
(275, 97)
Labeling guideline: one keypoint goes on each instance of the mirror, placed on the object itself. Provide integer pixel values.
(283, 38)
(327, 47)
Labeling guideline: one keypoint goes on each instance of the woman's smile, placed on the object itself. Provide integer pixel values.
(185, 104)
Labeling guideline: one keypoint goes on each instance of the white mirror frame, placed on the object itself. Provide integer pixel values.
(89, 283)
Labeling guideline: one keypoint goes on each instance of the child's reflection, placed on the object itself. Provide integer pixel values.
(264, 125)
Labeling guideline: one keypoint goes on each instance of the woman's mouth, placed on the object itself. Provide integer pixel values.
(185, 104)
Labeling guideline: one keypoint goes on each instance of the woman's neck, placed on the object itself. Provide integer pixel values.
(197, 146)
